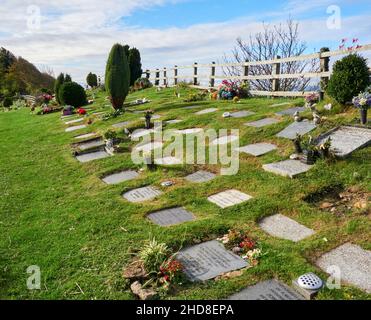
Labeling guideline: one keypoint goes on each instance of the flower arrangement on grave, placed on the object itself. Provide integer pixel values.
(297, 144)
(242, 244)
(155, 269)
(324, 148)
(310, 151)
(363, 103)
(68, 110)
(227, 90)
(311, 99)
(81, 111)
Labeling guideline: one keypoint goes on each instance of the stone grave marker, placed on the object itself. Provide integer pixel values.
(290, 111)
(224, 140)
(189, 131)
(229, 198)
(280, 104)
(258, 149)
(205, 111)
(120, 124)
(168, 161)
(191, 107)
(74, 128)
(119, 177)
(149, 146)
(346, 139)
(294, 128)
(262, 122)
(208, 260)
(142, 194)
(86, 157)
(140, 133)
(354, 263)
(74, 121)
(153, 117)
(95, 143)
(241, 114)
(267, 290)
(172, 216)
(281, 226)
(287, 168)
(86, 135)
(173, 121)
(200, 176)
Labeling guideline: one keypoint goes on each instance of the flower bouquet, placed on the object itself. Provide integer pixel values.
(362, 102)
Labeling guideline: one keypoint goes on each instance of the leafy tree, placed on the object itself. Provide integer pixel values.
(58, 83)
(135, 65)
(72, 94)
(67, 78)
(117, 77)
(350, 76)
(92, 80)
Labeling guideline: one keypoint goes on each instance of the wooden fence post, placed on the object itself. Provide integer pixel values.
(165, 79)
(195, 81)
(157, 77)
(276, 70)
(246, 71)
(175, 75)
(212, 78)
(324, 67)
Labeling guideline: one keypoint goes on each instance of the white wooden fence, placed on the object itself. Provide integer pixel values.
(162, 77)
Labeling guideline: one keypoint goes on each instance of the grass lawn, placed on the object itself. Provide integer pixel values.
(56, 212)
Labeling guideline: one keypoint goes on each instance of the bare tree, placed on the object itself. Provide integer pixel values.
(277, 40)
(47, 70)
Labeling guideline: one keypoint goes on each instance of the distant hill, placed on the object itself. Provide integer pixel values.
(17, 75)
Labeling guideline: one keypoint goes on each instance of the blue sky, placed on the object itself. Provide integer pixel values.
(75, 36)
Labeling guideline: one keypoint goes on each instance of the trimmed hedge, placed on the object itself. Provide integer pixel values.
(71, 93)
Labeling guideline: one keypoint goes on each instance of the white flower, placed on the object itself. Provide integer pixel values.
(362, 101)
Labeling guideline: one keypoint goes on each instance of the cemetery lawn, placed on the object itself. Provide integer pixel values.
(57, 214)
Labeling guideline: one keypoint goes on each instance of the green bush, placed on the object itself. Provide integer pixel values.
(135, 65)
(71, 93)
(7, 102)
(117, 77)
(350, 77)
(57, 85)
(92, 80)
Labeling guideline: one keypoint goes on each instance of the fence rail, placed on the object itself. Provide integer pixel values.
(162, 75)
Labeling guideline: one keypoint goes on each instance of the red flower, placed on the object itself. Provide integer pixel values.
(81, 111)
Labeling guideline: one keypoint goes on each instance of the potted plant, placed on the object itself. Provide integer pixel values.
(324, 148)
(310, 152)
(297, 144)
(147, 118)
(362, 102)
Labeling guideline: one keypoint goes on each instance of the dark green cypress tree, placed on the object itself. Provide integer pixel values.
(117, 77)
(92, 80)
(57, 85)
(67, 78)
(135, 65)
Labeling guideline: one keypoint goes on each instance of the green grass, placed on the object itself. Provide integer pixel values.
(56, 212)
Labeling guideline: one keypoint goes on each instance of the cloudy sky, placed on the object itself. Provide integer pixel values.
(75, 36)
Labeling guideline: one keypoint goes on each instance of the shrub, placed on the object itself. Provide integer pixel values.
(57, 85)
(71, 93)
(117, 77)
(135, 65)
(92, 80)
(198, 96)
(350, 76)
(141, 84)
(7, 102)
(153, 255)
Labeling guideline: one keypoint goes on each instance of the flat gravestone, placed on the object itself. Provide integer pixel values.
(119, 177)
(295, 128)
(149, 146)
(354, 263)
(191, 107)
(291, 111)
(86, 157)
(172, 121)
(262, 122)
(280, 104)
(267, 290)
(121, 124)
(86, 135)
(74, 128)
(189, 131)
(90, 144)
(287, 168)
(208, 260)
(281, 226)
(345, 139)
(229, 198)
(241, 114)
(142, 194)
(205, 111)
(224, 140)
(140, 133)
(200, 176)
(74, 121)
(258, 149)
(169, 217)
(168, 161)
